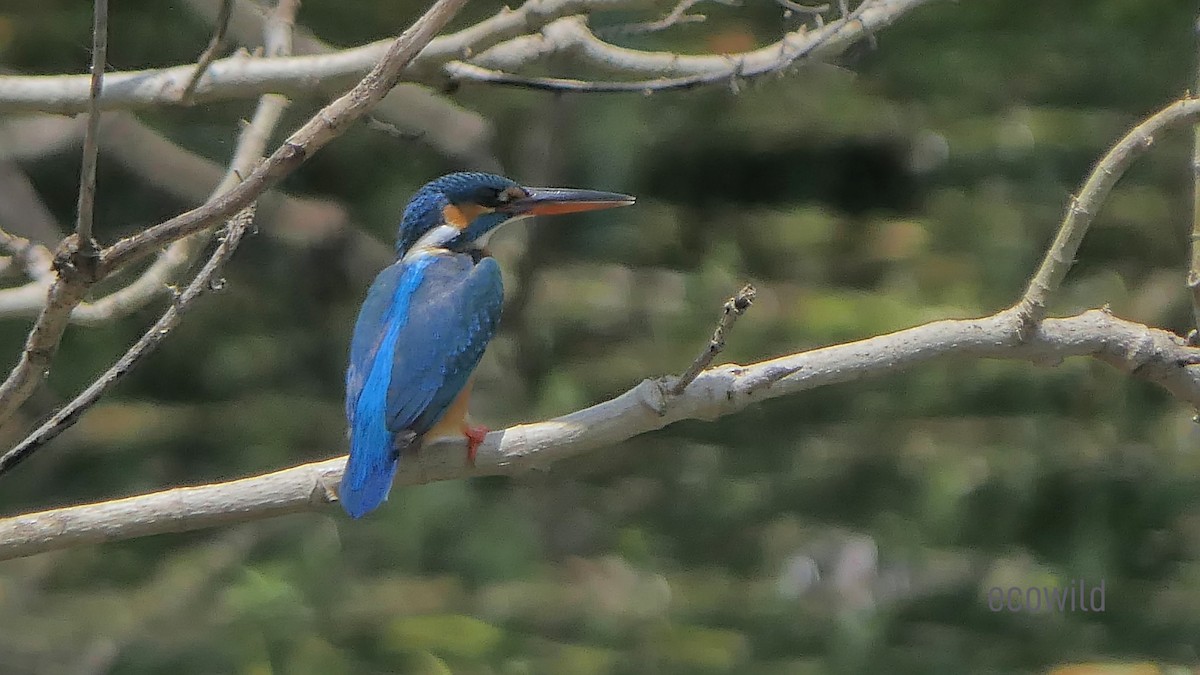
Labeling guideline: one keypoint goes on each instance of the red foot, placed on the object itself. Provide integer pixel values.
(475, 435)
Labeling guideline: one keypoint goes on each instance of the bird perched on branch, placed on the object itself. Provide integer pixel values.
(427, 319)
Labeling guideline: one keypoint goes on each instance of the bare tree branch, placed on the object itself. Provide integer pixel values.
(1148, 353)
(240, 77)
(35, 257)
(247, 154)
(68, 290)
(1083, 208)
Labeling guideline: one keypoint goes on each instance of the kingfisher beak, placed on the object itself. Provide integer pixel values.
(553, 201)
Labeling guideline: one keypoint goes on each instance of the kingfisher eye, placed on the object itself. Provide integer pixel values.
(490, 197)
(497, 198)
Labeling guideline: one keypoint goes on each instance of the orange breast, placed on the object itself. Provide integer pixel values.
(455, 419)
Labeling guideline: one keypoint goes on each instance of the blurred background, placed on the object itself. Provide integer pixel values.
(855, 528)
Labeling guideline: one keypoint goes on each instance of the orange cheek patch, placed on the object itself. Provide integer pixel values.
(461, 215)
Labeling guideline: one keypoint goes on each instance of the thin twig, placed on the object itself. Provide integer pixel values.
(215, 45)
(69, 414)
(91, 147)
(734, 308)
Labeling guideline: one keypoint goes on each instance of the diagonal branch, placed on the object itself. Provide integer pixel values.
(1148, 353)
(1083, 208)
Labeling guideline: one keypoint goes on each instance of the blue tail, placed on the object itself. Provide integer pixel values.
(368, 476)
(374, 450)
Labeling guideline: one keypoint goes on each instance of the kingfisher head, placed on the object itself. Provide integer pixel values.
(459, 210)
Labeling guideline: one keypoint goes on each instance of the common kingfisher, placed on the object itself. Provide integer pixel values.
(427, 319)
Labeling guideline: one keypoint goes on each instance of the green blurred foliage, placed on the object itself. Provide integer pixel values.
(856, 528)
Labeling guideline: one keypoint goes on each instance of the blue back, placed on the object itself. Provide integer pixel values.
(422, 330)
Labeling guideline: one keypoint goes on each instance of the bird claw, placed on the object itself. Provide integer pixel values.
(475, 435)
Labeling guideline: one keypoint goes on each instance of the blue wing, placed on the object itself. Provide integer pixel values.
(370, 328)
(453, 318)
(420, 334)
